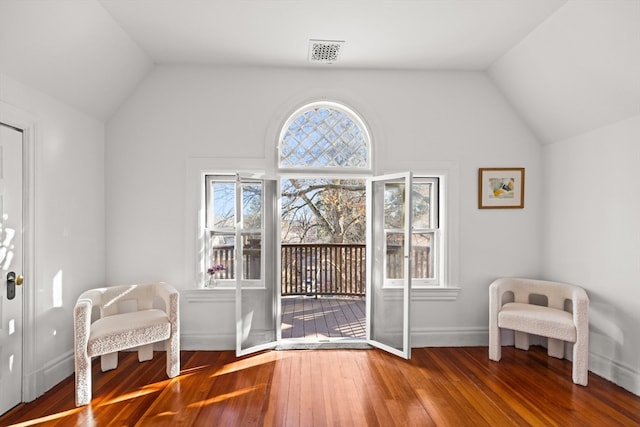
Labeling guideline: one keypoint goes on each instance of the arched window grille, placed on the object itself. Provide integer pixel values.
(324, 135)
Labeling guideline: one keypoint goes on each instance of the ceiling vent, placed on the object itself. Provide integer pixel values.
(326, 51)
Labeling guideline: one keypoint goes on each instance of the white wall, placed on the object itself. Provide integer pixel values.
(592, 238)
(95, 64)
(577, 71)
(69, 221)
(182, 118)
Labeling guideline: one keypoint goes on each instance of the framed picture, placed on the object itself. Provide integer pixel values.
(500, 188)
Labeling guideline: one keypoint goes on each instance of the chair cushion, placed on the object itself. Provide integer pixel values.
(127, 330)
(538, 320)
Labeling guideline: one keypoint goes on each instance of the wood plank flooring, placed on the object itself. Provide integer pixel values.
(323, 317)
(437, 387)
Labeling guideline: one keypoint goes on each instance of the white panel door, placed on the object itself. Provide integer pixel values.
(389, 217)
(10, 267)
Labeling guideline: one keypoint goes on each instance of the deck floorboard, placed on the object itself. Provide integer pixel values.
(323, 317)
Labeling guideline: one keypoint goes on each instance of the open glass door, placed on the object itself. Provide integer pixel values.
(256, 268)
(389, 217)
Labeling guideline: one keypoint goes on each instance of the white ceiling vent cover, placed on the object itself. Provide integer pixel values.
(326, 51)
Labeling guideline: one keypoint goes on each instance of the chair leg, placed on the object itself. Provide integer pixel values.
(522, 340)
(109, 361)
(172, 347)
(145, 352)
(495, 346)
(580, 368)
(83, 379)
(555, 348)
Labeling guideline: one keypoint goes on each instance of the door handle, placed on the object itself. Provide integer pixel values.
(12, 282)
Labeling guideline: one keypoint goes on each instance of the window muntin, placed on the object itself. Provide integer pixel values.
(425, 232)
(221, 222)
(324, 135)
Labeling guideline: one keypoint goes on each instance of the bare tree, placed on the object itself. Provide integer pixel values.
(324, 210)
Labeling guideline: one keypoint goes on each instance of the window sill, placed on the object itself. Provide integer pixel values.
(434, 294)
(200, 295)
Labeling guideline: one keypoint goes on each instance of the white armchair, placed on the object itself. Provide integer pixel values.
(551, 321)
(127, 320)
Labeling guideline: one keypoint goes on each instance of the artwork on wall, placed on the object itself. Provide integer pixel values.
(500, 188)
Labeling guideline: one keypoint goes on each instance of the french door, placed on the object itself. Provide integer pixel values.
(389, 222)
(257, 265)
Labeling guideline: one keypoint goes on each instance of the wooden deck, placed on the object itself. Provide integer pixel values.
(323, 317)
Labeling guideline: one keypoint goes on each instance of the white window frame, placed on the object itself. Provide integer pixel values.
(438, 242)
(447, 288)
(210, 231)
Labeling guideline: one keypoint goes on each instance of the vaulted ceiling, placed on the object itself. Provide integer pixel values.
(566, 66)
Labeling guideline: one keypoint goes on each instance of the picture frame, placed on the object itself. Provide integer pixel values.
(501, 188)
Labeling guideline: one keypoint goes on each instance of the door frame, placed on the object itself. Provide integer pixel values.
(22, 121)
(311, 175)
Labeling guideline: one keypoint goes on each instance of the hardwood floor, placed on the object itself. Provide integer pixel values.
(437, 387)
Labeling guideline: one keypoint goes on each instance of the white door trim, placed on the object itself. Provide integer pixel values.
(12, 116)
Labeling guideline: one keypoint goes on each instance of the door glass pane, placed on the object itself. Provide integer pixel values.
(422, 255)
(224, 202)
(394, 205)
(421, 205)
(251, 206)
(252, 253)
(395, 255)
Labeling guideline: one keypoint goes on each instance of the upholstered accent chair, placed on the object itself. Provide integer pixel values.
(128, 318)
(565, 318)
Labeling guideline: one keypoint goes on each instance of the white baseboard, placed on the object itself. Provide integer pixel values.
(450, 337)
(423, 337)
(624, 376)
(32, 386)
(207, 341)
(58, 369)
(42, 380)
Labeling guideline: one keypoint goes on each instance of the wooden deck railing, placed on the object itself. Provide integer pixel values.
(323, 269)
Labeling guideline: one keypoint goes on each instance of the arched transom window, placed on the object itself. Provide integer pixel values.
(324, 135)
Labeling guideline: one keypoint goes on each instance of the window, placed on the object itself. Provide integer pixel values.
(324, 135)
(425, 233)
(234, 212)
(323, 145)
